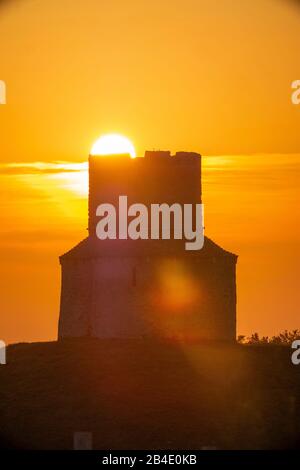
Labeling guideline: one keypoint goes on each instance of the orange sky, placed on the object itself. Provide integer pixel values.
(207, 76)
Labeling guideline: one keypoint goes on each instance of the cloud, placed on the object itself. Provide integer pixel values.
(41, 168)
(260, 172)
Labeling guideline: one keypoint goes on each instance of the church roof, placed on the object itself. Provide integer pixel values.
(92, 247)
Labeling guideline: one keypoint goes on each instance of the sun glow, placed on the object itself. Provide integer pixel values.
(113, 144)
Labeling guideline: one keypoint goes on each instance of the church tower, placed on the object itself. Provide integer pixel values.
(135, 288)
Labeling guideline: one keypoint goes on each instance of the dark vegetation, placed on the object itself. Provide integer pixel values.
(149, 394)
(285, 338)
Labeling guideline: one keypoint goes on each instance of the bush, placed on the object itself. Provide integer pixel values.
(284, 338)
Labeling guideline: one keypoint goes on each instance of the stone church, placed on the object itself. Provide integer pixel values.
(146, 288)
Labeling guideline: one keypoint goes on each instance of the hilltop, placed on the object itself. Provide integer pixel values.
(134, 394)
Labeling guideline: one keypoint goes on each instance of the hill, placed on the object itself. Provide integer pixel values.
(141, 394)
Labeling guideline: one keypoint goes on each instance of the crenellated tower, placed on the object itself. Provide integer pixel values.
(154, 288)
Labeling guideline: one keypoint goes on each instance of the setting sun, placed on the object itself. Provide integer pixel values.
(113, 144)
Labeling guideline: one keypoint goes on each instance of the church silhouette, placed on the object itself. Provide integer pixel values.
(146, 288)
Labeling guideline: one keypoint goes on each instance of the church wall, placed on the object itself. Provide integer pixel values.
(75, 302)
(180, 297)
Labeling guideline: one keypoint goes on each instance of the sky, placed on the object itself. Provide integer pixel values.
(207, 76)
